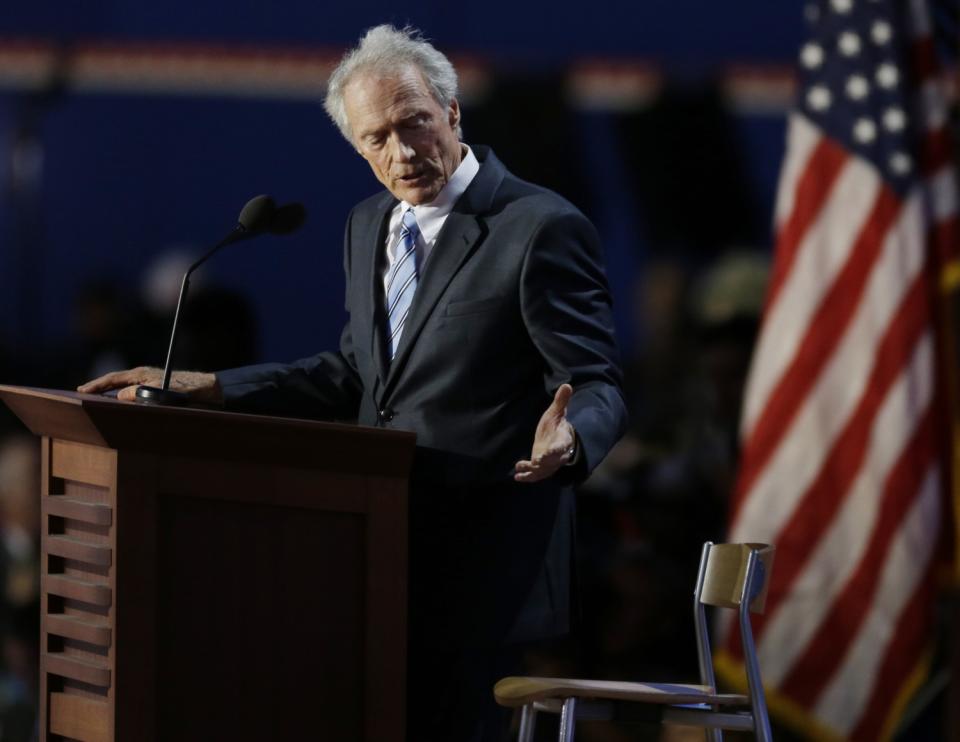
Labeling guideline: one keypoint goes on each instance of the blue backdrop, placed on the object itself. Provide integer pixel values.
(126, 174)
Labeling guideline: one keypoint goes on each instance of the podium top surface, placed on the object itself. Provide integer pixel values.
(190, 431)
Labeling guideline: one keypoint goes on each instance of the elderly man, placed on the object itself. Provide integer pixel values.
(480, 319)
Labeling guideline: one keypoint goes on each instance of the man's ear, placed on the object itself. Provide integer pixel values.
(453, 115)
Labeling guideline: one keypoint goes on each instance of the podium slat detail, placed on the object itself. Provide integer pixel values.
(74, 627)
(87, 512)
(83, 463)
(82, 551)
(85, 671)
(73, 587)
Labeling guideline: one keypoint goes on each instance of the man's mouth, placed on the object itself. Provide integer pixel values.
(412, 176)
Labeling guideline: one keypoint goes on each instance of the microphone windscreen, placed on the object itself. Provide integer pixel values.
(256, 216)
(288, 219)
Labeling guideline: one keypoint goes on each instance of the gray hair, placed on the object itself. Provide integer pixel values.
(383, 49)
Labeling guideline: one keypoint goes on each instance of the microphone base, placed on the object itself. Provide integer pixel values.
(156, 395)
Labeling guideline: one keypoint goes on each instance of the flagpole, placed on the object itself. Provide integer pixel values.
(950, 312)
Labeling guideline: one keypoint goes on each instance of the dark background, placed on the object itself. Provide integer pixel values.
(126, 175)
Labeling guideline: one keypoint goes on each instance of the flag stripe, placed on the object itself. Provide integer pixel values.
(849, 610)
(837, 391)
(812, 191)
(824, 249)
(833, 559)
(821, 338)
(803, 523)
(803, 138)
(904, 650)
(906, 563)
(822, 500)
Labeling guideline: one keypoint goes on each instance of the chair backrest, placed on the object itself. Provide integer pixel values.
(735, 576)
(726, 571)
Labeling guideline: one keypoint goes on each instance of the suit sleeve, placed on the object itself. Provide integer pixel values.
(568, 313)
(326, 385)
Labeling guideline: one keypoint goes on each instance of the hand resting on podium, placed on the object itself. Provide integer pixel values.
(202, 387)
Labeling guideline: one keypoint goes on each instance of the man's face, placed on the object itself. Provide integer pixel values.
(398, 127)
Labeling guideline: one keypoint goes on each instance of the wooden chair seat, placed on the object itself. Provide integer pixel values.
(732, 576)
(519, 691)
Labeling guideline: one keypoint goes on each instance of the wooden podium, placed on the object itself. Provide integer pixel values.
(215, 576)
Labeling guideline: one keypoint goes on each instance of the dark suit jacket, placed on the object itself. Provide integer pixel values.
(512, 302)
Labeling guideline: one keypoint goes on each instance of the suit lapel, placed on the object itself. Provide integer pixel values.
(454, 244)
(368, 324)
(460, 234)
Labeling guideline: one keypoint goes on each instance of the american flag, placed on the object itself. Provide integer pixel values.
(844, 425)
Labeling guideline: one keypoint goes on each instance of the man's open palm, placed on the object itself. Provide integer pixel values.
(554, 443)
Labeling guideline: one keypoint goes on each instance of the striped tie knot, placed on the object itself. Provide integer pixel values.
(409, 223)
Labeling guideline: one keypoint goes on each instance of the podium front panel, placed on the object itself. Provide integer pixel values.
(189, 596)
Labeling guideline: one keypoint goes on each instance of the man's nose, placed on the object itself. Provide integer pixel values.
(402, 150)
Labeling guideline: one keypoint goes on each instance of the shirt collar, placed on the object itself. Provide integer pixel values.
(438, 209)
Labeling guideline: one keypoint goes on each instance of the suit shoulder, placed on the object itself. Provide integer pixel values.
(372, 204)
(516, 194)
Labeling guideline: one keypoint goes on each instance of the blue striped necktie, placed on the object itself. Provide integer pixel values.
(402, 281)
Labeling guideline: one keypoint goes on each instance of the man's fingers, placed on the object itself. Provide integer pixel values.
(92, 386)
(560, 453)
(535, 475)
(527, 474)
(106, 382)
(540, 467)
(560, 400)
(545, 459)
(120, 379)
(128, 394)
(555, 453)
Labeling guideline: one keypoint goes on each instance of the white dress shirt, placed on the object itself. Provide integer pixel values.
(431, 216)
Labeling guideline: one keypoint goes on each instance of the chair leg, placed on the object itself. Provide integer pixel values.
(528, 723)
(568, 720)
(762, 726)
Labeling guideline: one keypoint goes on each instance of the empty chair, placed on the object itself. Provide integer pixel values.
(730, 576)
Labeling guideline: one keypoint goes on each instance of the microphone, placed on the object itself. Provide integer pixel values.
(259, 215)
